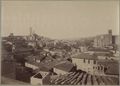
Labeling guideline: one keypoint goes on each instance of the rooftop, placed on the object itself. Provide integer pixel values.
(8, 81)
(81, 78)
(85, 56)
(113, 66)
(103, 54)
(38, 76)
(42, 66)
(65, 66)
(99, 50)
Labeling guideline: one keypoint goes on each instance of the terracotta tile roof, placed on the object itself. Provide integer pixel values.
(80, 78)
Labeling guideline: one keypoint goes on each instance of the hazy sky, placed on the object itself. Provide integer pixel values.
(60, 19)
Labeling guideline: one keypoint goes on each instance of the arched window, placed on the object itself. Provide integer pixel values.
(98, 67)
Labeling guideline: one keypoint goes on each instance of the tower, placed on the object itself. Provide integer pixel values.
(31, 34)
(30, 31)
(110, 32)
(110, 36)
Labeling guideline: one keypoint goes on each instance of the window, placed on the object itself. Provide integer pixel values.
(98, 68)
(84, 60)
(94, 61)
(88, 61)
(101, 67)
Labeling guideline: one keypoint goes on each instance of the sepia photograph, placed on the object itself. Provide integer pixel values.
(59, 42)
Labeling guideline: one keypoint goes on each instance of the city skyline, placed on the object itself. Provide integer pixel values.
(60, 20)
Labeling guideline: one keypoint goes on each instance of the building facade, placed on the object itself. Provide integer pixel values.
(88, 63)
(104, 40)
(38, 78)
